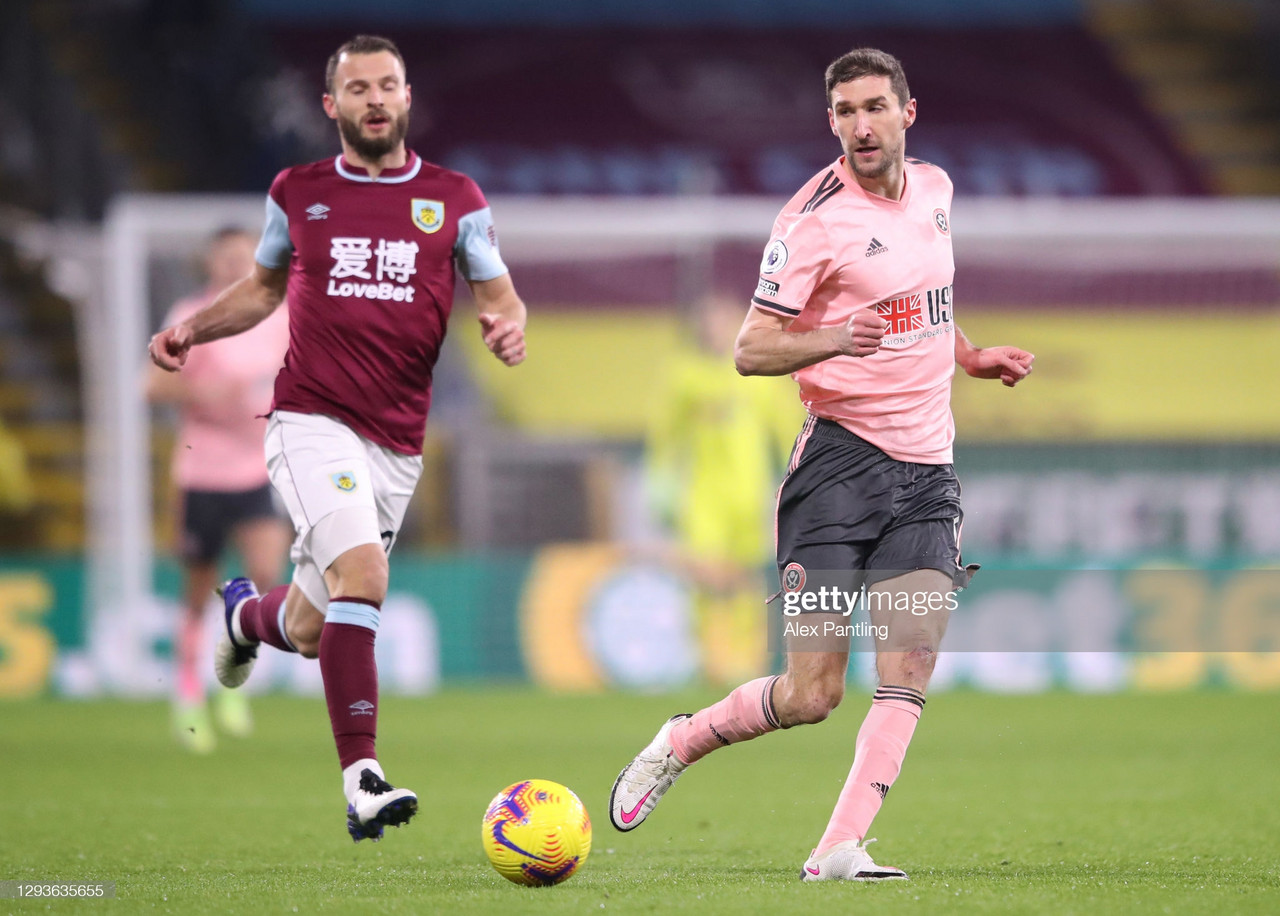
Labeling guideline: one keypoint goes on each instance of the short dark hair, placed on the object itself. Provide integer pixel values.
(361, 44)
(862, 62)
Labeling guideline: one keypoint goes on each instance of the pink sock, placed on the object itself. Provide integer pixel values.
(879, 751)
(190, 640)
(262, 621)
(744, 714)
(350, 675)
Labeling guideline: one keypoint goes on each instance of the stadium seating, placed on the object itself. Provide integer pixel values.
(1008, 111)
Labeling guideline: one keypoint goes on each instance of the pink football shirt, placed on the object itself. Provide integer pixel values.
(837, 248)
(219, 444)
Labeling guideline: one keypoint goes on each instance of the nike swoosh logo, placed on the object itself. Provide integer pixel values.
(629, 816)
(812, 871)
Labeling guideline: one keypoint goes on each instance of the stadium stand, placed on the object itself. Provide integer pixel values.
(1007, 111)
(1210, 70)
(39, 403)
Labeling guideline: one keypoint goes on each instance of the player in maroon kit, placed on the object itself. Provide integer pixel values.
(365, 246)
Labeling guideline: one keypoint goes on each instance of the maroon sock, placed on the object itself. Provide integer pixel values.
(261, 620)
(350, 683)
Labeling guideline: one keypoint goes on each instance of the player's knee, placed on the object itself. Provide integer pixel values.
(912, 668)
(305, 635)
(813, 703)
(362, 572)
(921, 660)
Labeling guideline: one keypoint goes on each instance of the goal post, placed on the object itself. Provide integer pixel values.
(137, 228)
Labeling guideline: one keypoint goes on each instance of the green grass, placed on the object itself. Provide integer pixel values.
(1056, 803)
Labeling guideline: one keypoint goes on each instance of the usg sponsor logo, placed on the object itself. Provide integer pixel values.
(939, 301)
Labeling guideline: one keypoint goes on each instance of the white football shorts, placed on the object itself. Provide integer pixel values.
(341, 491)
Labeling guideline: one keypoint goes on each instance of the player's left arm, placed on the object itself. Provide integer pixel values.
(1009, 364)
(502, 317)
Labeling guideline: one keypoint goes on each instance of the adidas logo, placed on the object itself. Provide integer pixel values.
(361, 708)
(876, 247)
(317, 211)
(881, 788)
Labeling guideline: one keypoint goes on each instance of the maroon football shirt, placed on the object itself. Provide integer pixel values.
(371, 282)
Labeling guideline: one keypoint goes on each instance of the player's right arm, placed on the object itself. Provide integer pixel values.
(799, 258)
(765, 346)
(237, 308)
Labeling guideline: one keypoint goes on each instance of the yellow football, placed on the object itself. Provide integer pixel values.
(536, 832)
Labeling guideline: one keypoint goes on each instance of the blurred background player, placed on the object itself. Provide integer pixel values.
(219, 473)
(366, 244)
(715, 452)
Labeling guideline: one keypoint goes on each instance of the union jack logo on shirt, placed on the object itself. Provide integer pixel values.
(903, 314)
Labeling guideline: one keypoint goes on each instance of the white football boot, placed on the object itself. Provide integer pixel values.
(233, 659)
(378, 804)
(848, 861)
(643, 782)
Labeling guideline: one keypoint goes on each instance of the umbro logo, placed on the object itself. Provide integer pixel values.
(361, 708)
(317, 211)
(881, 788)
(876, 247)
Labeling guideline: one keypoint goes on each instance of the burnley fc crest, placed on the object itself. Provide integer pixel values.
(428, 215)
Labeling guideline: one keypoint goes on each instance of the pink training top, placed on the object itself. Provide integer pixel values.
(837, 248)
(219, 444)
(371, 279)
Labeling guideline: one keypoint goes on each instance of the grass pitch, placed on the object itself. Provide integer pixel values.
(1055, 803)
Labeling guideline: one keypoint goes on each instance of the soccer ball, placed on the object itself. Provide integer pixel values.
(536, 832)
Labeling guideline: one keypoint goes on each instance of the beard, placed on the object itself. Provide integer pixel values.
(888, 156)
(371, 149)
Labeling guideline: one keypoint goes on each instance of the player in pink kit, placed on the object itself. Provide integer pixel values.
(854, 302)
(221, 475)
(366, 245)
